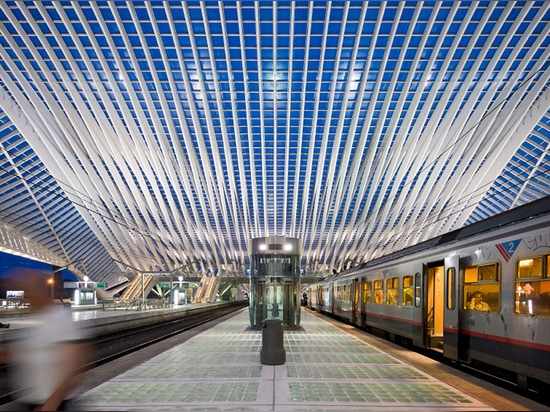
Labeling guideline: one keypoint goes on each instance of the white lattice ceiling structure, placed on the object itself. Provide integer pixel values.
(163, 136)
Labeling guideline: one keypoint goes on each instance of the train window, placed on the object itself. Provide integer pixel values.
(530, 268)
(481, 273)
(417, 289)
(488, 272)
(482, 287)
(378, 291)
(532, 287)
(451, 279)
(470, 275)
(338, 294)
(392, 291)
(367, 292)
(348, 293)
(408, 291)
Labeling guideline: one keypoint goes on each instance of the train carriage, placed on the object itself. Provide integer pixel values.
(481, 293)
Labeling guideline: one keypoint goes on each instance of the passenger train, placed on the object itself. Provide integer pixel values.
(428, 295)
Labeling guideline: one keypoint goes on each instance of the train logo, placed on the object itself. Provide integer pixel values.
(507, 249)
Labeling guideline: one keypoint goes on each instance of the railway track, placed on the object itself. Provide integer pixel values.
(107, 348)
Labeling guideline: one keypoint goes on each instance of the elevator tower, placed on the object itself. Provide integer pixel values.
(275, 280)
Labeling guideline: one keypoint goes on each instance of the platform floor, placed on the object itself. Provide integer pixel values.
(326, 369)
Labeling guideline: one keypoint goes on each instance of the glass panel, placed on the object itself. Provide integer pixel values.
(392, 296)
(488, 272)
(378, 292)
(408, 291)
(470, 274)
(450, 287)
(482, 297)
(417, 289)
(533, 298)
(392, 291)
(481, 288)
(367, 292)
(528, 268)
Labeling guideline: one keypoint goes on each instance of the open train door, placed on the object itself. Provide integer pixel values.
(450, 312)
(433, 304)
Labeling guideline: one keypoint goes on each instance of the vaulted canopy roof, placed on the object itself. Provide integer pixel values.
(163, 136)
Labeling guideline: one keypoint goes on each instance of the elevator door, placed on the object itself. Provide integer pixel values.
(274, 300)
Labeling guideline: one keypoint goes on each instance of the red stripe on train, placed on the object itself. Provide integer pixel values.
(517, 342)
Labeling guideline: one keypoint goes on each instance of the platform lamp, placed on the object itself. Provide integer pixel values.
(51, 283)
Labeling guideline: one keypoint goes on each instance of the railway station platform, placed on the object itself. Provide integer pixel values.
(98, 321)
(328, 366)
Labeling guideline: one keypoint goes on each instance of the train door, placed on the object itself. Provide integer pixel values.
(433, 304)
(450, 311)
(355, 302)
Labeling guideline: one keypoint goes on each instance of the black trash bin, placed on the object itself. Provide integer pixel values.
(273, 351)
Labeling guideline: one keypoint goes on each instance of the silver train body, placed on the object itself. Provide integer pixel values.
(425, 295)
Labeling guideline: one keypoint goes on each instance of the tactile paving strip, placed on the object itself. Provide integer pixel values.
(325, 370)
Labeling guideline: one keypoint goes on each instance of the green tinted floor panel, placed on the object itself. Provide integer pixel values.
(326, 369)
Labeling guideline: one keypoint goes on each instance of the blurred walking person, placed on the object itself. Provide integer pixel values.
(47, 360)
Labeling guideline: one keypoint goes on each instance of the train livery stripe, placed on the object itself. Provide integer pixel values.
(517, 342)
(503, 252)
(502, 339)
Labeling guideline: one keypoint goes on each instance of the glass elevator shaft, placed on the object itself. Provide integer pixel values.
(275, 280)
